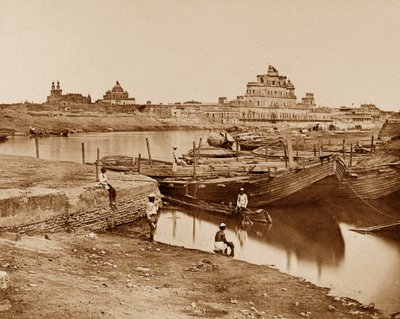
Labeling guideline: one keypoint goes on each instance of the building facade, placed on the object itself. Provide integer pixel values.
(270, 91)
(117, 95)
(56, 96)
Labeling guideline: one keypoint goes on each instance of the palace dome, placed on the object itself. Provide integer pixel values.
(117, 88)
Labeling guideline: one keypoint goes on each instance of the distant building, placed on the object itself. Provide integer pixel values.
(308, 102)
(271, 91)
(56, 96)
(118, 96)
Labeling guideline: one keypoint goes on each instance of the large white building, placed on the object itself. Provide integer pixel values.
(271, 90)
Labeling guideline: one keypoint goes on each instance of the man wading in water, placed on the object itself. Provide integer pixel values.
(221, 244)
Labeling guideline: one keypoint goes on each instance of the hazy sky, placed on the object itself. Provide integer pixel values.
(345, 51)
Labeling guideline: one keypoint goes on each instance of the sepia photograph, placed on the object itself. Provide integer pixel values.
(199, 159)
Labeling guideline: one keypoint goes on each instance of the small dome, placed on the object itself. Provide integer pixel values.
(289, 85)
(117, 88)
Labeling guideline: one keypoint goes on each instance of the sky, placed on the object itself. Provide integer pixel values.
(347, 52)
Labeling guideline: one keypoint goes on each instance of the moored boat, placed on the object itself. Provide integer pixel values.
(278, 187)
(47, 132)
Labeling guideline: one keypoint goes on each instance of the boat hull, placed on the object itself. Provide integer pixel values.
(370, 183)
(264, 190)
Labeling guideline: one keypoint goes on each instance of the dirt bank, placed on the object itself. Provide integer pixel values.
(19, 121)
(114, 276)
(126, 276)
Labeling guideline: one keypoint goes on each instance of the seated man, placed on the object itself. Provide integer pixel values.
(242, 202)
(221, 244)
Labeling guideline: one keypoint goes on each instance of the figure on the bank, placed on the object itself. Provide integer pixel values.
(242, 202)
(111, 190)
(221, 244)
(175, 160)
(151, 213)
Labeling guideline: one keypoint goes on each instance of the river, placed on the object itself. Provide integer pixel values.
(315, 242)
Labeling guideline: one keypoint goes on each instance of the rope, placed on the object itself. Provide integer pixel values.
(365, 202)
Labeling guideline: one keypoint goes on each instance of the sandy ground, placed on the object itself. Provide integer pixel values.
(123, 275)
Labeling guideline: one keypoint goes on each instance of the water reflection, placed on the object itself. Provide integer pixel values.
(307, 242)
(115, 143)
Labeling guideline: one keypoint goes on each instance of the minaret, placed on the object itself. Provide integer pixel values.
(53, 88)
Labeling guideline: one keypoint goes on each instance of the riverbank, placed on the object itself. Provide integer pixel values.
(108, 275)
(86, 275)
(19, 121)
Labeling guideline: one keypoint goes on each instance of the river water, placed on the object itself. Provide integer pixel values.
(313, 242)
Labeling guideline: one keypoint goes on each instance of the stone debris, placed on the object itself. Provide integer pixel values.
(331, 308)
(356, 312)
(203, 264)
(195, 310)
(305, 314)
(142, 269)
(91, 235)
(5, 305)
(234, 301)
(4, 280)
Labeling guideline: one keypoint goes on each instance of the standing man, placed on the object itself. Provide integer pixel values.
(242, 201)
(221, 244)
(151, 213)
(111, 191)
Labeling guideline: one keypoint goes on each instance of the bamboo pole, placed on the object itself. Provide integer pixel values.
(194, 160)
(148, 152)
(97, 165)
(138, 164)
(198, 149)
(315, 151)
(83, 153)
(372, 142)
(297, 153)
(285, 155)
(351, 154)
(266, 152)
(344, 149)
(237, 151)
(37, 146)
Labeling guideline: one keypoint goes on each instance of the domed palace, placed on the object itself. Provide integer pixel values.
(118, 96)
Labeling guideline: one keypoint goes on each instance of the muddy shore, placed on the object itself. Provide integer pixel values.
(115, 275)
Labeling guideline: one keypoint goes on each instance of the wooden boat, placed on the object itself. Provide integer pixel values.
(259, 215)
(370, 182)
(278, 187)
(162, 169)
(3, 136)
(43, 132)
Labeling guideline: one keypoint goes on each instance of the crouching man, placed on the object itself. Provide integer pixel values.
(221, 244)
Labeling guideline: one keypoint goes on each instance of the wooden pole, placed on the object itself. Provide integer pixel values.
(83, 153)
(319, 148)
(289, 151)
(148, 152)
(351, 154)
(97, 165)
(344, 149)
(37, 146)
(322, 149)
(285, 155)
(194, 160)
(372, 142)
(138, 163)
(237, 151)
(297, 153)
(198, 149)
(315, 151)
(266, 153)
